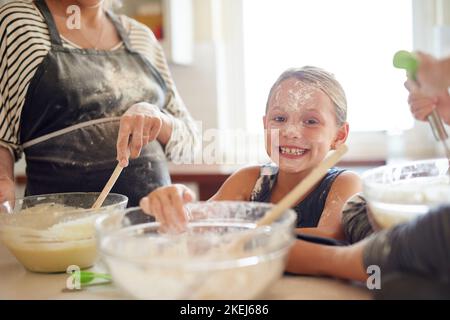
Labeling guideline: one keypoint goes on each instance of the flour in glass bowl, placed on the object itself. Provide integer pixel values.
(44, 239)
(182, 268)
(403, 200)
(420, 190)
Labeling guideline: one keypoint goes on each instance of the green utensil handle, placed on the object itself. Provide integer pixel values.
(87, 276)
(408, 61)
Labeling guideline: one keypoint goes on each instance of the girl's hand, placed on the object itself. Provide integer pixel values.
(141, 124)
(422, 105)
(166, 204)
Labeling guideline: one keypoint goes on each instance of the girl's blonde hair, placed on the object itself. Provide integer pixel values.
(322, 80)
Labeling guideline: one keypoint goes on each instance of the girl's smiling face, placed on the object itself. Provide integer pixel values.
(301, 119)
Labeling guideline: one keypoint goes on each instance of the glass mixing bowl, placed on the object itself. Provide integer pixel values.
(48, 233)
(222, 254)
(399, 193)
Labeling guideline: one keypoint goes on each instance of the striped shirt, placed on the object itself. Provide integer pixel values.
(24, 43)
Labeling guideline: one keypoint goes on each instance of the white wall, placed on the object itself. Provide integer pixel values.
(197, 82)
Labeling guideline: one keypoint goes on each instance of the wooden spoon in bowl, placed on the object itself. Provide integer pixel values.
(112, 180)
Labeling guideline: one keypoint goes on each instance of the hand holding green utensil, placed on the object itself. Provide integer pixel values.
(408, 61)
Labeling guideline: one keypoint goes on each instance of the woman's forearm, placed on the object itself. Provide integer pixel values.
(315, 259)
(346, 262)
(6, 164)
(7, 187)
(307, 258)
(446, 68)
(326, 232)
(166, 129)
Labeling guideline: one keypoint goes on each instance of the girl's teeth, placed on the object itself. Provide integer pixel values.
(293, 151)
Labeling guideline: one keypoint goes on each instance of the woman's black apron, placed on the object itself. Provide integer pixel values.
(70, 119)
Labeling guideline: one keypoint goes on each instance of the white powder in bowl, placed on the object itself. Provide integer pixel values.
(403, 200)
(189, 267)
(45, 247)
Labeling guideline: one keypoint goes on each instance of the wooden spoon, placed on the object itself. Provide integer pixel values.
(112, 180)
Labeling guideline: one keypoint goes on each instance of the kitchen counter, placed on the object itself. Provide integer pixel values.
(18, 283)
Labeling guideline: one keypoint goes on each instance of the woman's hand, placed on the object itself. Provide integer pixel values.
(431, 75)
(422, 105)
(166, 204)
(142, 123)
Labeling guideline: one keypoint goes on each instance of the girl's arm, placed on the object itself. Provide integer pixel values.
(238, 186)
(344, 187)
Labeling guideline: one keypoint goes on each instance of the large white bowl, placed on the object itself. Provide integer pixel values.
(202, 263)
(399, 193)
(46, 234)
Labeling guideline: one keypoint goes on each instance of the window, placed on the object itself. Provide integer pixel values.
(354, 39)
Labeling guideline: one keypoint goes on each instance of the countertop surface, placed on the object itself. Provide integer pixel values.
(18, 283)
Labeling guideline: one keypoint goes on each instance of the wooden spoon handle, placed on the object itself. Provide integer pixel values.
(304, 186)
(112, 180)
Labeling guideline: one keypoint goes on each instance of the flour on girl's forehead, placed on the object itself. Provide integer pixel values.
(299, 95)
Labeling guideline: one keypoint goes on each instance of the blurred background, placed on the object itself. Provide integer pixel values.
(225, 54)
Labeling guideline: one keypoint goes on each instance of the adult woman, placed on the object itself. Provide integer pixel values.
(76, 98)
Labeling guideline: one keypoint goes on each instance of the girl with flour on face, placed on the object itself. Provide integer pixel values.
(305, 119)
